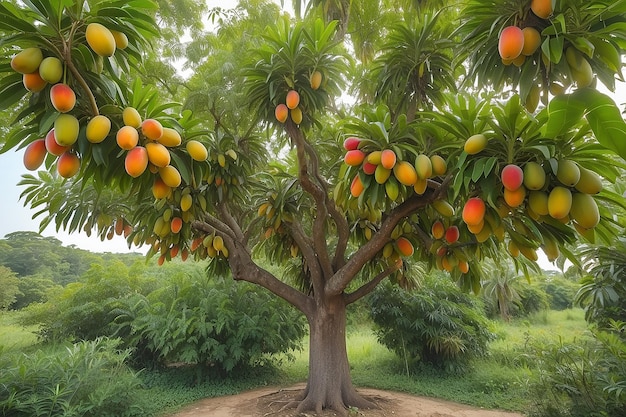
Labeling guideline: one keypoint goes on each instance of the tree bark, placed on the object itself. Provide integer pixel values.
(329, 385)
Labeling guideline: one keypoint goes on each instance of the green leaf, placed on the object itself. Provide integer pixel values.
(601, 112)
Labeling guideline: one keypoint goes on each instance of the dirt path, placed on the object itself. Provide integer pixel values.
(269, 401)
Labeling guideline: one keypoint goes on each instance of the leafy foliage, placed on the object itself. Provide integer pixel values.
(210, 323)
(85, 379)
(581, 379)
(436, 323)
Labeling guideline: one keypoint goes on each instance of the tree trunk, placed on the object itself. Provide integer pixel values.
(329, 385)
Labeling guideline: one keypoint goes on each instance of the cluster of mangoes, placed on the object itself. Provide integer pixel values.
(291, 107)
(558, 189)
(381, 164)
(41, 68)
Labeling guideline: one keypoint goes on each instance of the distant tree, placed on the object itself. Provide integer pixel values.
(9, 287)
(501, 288)
(33, 289)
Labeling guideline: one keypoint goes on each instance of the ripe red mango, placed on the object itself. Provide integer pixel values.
(293, 99)
(136, 161)
(351, 143)
(176, 225)
(356, 188)
(452, 234)
(388, 159)
(369, 168)
(512, 177)
(474, 211)
(354, 157)
(35, 154)
(511, 42)
(281, 112)
(68, 165)
(438, 230)
(152, 129)
(62, 97)
(33, 82)
(405, 247)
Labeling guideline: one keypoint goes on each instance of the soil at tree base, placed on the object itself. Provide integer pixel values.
(270, 402)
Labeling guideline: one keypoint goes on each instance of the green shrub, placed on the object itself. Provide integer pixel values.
(532, 300)
(86, 379)
(587, 378)
(561, 292)
(215, 323)
(436, 323)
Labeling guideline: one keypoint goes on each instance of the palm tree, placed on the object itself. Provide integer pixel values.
(500, 287)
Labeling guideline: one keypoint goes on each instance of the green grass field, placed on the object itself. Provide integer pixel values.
(497, 381)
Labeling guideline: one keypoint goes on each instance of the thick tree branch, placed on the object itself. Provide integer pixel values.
(231, 222)
(338, 283)
(369, 286)
(308, 252)
(245, 269)
(319, 196)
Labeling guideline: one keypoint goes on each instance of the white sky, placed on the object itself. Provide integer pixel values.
(15, 217)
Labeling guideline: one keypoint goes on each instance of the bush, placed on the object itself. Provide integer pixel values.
(561, 292)
(532, 300)
(86, 379)
(211, 323)
(587, 378)
(437, 323)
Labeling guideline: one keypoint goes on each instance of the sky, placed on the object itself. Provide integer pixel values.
(15, 217)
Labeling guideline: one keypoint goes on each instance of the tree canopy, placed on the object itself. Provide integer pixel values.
(346, 150)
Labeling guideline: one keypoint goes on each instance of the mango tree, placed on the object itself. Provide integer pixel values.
(486, 140)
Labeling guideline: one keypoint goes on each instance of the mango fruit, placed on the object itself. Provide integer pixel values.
(52, 146)
(292, 100)
(388, 159)
(381, 174)
(568, 172)
(100, 39)
(315, 80)
(584, 210)
(559, 202)
(354, 157)
(27, 60)
(121, 40)
(474, 211)
(589, 182)
(510, 42)
(170, 176)
(532, 40)
(439, 165)
(136, 161)
(423, 166)
(296, 115)
(541, 8)
(170, 137)
(405, 247)
(51, 69)
(512, 177)
(197, 151)
(127, 137)
(534, 176)
(158, 155)
(34, 154)
(538, 202)
(98, 129)
(62, 97)
(475, 144)
(515, 198)
(33, 82)
(160, 190)
(68, 164)
(405, 173)
(356, 187)
(131, 117)
(66, 129)
(152, 129)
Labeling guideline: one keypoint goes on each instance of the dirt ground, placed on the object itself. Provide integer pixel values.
(269, 402)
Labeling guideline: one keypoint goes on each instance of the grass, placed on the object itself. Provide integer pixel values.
(498, 381)
(13, 336)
